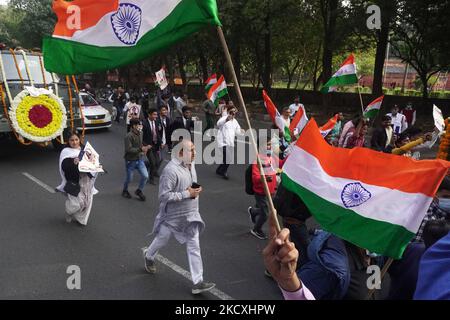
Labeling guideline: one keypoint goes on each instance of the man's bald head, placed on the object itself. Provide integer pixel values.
(185, 151)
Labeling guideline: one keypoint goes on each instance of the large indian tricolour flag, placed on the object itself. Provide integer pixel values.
(105, 34)
(374, 200)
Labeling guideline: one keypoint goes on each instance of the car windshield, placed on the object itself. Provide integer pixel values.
(34, 67)
(88, 100)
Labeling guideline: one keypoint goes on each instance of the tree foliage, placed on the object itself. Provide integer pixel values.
(420, 37)
(298, 42)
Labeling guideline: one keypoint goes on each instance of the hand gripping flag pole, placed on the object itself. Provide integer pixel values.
(273, 212)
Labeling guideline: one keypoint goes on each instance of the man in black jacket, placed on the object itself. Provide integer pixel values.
(294, 213)
(164, 124)
(184, 122)
(383, 138)
(119, 100)
(152, 138)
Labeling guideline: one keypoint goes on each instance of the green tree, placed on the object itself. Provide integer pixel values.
(419, 37)
(36, 20)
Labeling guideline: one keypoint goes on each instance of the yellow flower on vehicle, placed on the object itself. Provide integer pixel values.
(38, 118)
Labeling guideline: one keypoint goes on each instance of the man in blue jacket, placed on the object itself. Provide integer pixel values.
(434, 272)
(335, 269)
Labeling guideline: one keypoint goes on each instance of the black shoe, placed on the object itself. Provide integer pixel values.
(222, 175)
(203, 287)
(149, 265)
(252, 218)
(126, 194)
(140, 195)
(258, 234)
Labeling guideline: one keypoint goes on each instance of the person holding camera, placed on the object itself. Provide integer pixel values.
(179, 213)
(228, 129)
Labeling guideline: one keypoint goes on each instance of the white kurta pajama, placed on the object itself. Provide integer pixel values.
(179, 216)
(78, 208)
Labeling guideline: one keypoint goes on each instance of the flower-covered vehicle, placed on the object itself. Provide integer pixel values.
(36, 106)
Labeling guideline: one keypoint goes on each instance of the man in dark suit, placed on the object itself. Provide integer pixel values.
(152, 137)
(383, 138)
(184, 122)
(164, 124)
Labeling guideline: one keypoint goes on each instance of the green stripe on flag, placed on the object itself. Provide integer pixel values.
(344, 80)
(287, 135)
(220, 95)
(376, 236)
(70, 57)
(371, 114)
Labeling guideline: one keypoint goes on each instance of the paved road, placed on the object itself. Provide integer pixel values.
(37, 245)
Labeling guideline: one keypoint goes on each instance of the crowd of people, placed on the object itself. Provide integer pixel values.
(306, 264)
(317, 265)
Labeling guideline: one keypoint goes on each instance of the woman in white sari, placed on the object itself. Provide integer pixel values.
(76, 185)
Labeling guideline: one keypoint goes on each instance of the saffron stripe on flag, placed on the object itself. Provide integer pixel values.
(307, 170)
(71, 57)
(404, 174)
(375, 236)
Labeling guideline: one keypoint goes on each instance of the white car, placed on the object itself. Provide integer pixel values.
(95, 116)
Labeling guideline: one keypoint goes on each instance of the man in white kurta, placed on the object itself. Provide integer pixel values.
(179, 214)
(228, 129)
(399, 122)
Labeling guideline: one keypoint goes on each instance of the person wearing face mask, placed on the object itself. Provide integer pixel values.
(259, 213)
(438, 210)
(134, 159)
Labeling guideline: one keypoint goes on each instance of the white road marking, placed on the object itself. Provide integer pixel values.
(216, 292)
(39, 182)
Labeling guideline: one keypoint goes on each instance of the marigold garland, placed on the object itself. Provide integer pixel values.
(444, 147)
(38, 119)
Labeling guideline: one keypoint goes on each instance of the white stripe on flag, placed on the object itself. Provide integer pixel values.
(388, 205)
(345, 70)
(102, 34)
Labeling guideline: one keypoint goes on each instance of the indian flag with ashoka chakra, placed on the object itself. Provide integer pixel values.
(105, 34)
(346, 75)
(374, 200)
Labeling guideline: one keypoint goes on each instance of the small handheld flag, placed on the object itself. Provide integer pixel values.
(346, 75)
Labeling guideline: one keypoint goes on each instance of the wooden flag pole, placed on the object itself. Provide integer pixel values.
(272, 209)
(383, 273)
(360, 99)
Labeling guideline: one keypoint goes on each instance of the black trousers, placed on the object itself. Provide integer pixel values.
(119, 113)
(154, 162)
(260, 211)
(223, 168)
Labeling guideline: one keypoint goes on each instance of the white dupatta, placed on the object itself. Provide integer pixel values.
(66, 153)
